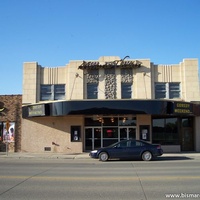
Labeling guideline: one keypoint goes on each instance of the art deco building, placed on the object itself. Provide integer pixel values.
(89, 104)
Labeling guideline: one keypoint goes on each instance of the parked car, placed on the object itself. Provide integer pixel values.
(128, 149)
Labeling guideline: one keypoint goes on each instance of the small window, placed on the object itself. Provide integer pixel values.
(46, 92)
(160, 90)
(52, 92)
(167, 90)
(92, 90)
(174, 90)
(59, 92)
(126, 90)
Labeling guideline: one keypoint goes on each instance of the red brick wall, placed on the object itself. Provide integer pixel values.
(12, 112)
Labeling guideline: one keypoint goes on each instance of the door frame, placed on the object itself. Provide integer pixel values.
(189, 146)
(127, 128)
(184, 129)
(92, 138)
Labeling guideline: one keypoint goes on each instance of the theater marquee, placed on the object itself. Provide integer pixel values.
(183, 108)
(36, 110)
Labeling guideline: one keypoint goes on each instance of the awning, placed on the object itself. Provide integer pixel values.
(110, 107)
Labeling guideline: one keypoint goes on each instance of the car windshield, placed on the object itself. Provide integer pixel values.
(113, 145)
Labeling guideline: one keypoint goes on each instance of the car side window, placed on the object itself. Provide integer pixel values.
(139, 144)
(122, 144)
(133, 143)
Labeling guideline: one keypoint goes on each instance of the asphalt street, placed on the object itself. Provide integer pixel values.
(77, 177)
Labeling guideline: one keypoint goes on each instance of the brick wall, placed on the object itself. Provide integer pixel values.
(12, 111)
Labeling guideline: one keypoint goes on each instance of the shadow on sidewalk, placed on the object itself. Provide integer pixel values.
(168, 158)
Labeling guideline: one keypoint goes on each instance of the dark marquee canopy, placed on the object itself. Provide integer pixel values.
(110, 107)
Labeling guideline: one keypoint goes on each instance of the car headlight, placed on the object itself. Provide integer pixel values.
(94, 151)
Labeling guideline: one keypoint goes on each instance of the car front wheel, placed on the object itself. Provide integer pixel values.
(146, 156)
(103, 156)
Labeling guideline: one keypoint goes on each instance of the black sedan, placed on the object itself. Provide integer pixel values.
(128, 149)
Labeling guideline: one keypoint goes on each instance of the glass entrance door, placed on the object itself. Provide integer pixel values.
(187, 140)
(93, 138)
(127, 133)
(187, 136)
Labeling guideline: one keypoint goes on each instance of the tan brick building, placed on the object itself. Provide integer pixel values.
(10, 123)
(90, 104)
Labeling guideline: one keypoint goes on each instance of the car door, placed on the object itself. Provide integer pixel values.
(120, 150)
(134, 149)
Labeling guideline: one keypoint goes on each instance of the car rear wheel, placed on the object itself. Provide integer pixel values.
(103, 156)
(146, 156)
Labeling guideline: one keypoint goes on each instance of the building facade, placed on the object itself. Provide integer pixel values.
(10, 123)
(90, 104)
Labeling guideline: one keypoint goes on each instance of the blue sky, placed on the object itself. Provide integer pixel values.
(52, 32)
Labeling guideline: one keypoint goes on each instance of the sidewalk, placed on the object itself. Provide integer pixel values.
(45, 155)
(19, 155)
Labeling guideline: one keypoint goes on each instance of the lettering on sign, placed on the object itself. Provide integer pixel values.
(111, 64)
(36, 110)
(183, 108)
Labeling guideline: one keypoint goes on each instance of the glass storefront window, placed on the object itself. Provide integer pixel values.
(110, 136)
(110, 121)
(88, 133)
(102, 131)
(123, 133)
(110, 132)
(165, 131)
(132, 133)
(89, 121)
(186, 122)
(127, 121)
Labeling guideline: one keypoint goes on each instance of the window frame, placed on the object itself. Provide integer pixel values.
(92, 90)
(167, 90)
(126, 90)
(59, 91)
(165, 131)
(173, 90)
(52, 93)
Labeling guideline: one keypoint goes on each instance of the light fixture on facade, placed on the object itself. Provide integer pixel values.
(124, 120)
(101, 120)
